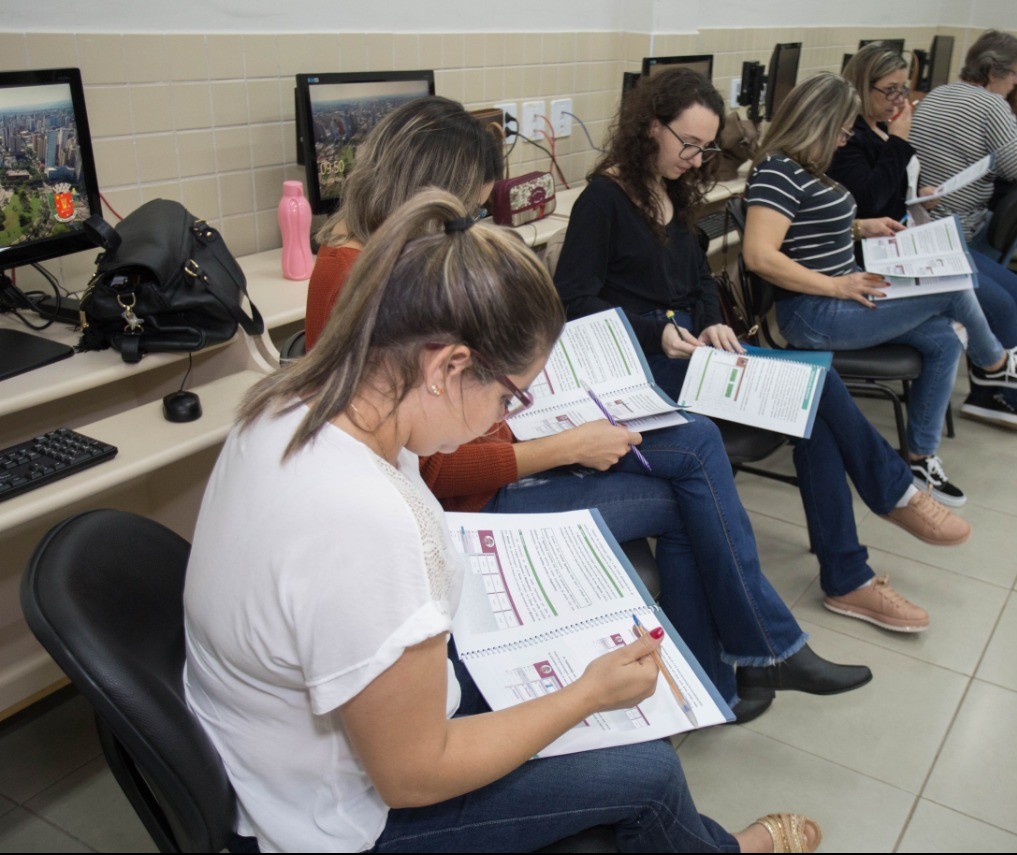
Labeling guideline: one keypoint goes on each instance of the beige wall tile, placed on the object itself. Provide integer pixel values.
(152, 108)
(352, 52)
(240, 234)
(109, 111)
(157, 157)
(515, 48)
(236, 190)
(115, 161)
(453, 50)
(268, 185)
(164, 190)
(192, 105)
(473, 85)
(261, 55)
(494, 49)
(188, 56)
(531, 82)
(147, 58)
(101, 56)
(196, 153)
(532, 46)
(429, 51)
(494, 85)
(14, 50)
(473, 50)
(51, 50)
(123, 200)
(263, 100)
(513, 82)
(225, 57)
(451, 84)
(229, 103)
(406, 52)
(232, 149)
(266, 145)
(201, 197)
(268, 230)
(380, 51)
(323, 52)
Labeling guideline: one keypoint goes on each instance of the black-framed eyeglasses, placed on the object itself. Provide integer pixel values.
(689, 151)
(894, 93)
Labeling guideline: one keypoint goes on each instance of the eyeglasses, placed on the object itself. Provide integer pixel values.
(846, 134)
(522, 400)
(894, 93)
(689, 151)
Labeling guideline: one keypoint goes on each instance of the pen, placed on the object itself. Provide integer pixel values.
(611, 419)
(640, 631)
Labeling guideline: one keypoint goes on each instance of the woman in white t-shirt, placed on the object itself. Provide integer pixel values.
(321, 586)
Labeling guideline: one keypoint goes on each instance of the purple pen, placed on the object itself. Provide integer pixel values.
(610, 418)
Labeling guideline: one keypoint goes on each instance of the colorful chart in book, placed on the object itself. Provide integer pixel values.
(924, 259)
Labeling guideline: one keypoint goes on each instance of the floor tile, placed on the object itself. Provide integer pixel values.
(20, 831)
(736, 775)
(41, 751)
(889, 729)
(989, 555)
(934, 828)
(89, 804)
(1000, 665)
(964, 612)
(6, 805)
(785, 557)
(974, 773)
(781, 501)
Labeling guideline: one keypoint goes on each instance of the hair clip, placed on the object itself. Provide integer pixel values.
(459, 224)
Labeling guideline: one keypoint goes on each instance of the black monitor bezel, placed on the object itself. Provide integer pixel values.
(895, 43)
(650, 62)
(303, 111)
(934, 65)
(779, 51)
(78, 241)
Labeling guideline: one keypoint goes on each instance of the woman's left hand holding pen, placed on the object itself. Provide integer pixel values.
(600, 444)
(677, 342)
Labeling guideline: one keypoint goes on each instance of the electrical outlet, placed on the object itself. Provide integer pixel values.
(529, 121)
(736, 90)
(511, 125)
(561, 117)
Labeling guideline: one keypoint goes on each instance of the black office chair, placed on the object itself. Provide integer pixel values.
(103, 593)
(1002, 233)
(293, 348)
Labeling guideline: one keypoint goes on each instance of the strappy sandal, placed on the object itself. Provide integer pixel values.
(788, 831)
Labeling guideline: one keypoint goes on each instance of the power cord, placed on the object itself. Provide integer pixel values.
(14, 301)
(586, 131)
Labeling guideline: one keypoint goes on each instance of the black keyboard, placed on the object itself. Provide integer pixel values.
(48, 458)
(713, 224)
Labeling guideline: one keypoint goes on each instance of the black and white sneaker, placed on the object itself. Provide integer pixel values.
(1005, 376)
(990, 405)
(929, 475)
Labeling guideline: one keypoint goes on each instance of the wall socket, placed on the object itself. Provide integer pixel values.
(530, 121)
(511, 126)
(736, 90)
(561, 118)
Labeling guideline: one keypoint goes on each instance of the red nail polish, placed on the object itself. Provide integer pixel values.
(657, 633)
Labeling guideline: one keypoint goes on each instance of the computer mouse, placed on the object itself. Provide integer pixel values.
(181, 407)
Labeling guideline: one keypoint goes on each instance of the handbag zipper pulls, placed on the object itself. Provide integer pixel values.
(133, 322)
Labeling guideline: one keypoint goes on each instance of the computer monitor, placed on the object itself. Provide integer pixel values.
(940, 56)
(751, 90)
(896, 44)
(630, 79)
(702, 64)
(783, 75)
(334, 114)
(845, 61)
(48, 184)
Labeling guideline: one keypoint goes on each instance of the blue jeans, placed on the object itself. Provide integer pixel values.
(843, 444)
(712, 587)
(824, 323)
(640, 790)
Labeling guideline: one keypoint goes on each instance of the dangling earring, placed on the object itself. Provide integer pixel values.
(436, 390)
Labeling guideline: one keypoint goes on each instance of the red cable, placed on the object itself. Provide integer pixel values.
(108, 205)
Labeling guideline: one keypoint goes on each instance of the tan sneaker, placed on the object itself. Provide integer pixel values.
(928, 520)
(881, 605)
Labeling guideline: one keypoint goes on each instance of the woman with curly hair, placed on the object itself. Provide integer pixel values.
(631, 244)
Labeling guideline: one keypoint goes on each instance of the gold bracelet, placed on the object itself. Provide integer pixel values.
(856, 231)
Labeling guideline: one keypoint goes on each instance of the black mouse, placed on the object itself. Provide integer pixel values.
(181, 407)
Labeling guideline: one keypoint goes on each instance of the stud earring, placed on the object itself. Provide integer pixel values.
(436, 390)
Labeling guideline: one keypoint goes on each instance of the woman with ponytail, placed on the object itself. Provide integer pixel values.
(321, 586)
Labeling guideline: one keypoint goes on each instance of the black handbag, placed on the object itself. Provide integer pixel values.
(166, 282)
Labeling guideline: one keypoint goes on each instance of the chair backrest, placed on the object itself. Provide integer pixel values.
(293, 348)
(103, 593)
(1002, 233)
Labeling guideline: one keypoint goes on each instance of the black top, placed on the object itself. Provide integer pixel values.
(874, 171)
(611, 258)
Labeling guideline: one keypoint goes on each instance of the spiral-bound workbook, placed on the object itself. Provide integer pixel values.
(600, 352)
(546, 594)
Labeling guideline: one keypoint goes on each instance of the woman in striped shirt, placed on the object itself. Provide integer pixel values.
(799, 234)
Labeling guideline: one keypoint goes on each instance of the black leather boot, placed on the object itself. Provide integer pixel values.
(749, 709)
(806, 671)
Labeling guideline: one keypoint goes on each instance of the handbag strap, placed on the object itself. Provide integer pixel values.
(252, 324)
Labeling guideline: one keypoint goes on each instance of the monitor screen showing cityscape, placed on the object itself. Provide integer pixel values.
(48, 185)
(334, 114)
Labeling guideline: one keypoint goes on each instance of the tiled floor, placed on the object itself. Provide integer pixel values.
(922, 759)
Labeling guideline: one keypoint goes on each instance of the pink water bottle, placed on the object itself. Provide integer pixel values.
(295, 225)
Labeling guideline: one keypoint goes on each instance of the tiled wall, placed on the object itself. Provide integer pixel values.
(208, 119)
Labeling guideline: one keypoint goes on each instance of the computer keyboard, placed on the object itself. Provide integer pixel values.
(713, 224)
(48, 458)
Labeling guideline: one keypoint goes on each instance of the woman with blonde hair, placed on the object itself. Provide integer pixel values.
(322, 583)
(427, 142)
(799, 235)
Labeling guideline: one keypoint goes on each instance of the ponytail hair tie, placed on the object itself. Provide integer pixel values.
(459, 224)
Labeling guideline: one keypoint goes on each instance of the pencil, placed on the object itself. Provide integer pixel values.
(640, 631)
(611, 419)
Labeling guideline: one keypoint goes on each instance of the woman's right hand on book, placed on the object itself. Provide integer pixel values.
(859, 287)
(600, 444)
(622, 678)
(678, 342)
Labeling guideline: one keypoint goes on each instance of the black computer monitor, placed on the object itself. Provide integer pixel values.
(940, 56)
(630, 79)
(335, 112)
(783, 75)
(702, 64)
(48, 184)
(751, 90)
(896, 44)
(845, 61)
